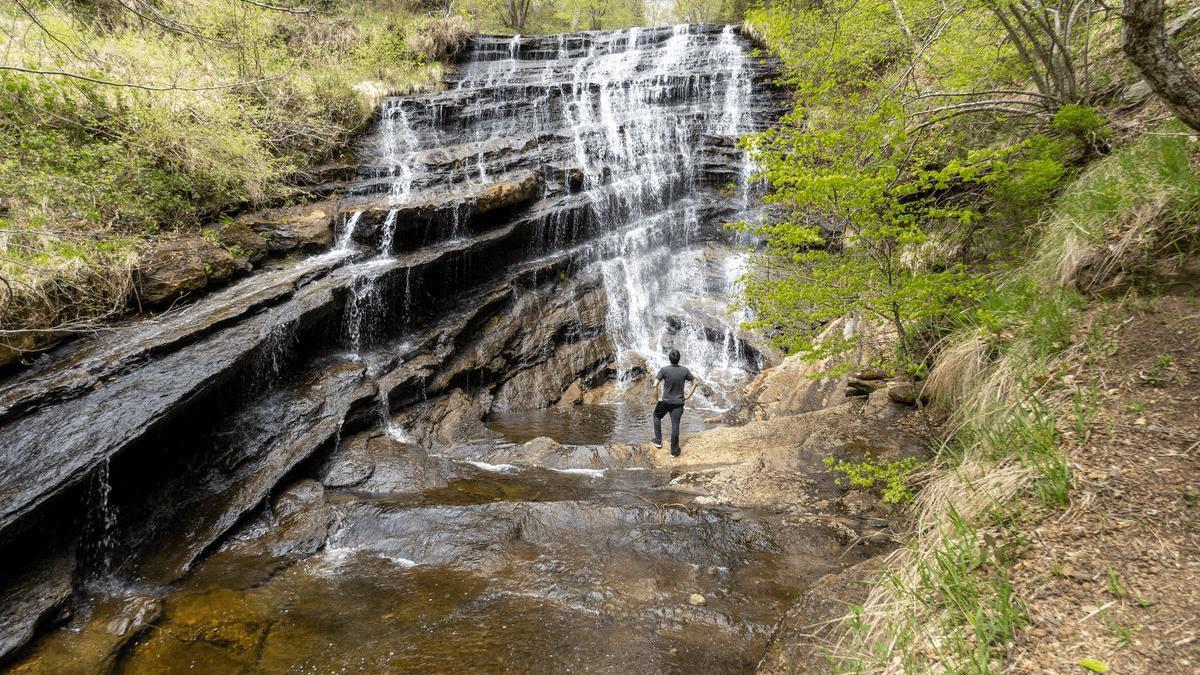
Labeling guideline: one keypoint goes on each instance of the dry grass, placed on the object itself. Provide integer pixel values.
(1125, 214)
(440, 37)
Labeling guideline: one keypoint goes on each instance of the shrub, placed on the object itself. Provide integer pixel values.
(888, 479)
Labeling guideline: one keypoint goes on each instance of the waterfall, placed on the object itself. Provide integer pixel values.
(648, 119)
(636, 146)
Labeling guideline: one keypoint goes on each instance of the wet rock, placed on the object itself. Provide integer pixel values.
(97, 405)
(276, 434)
(347, 468)
(453, 418)
(180, 266)
(93, 647)
(542, 385)
(308, 226)
(697, 599)
(398, 468)
(32, 594)
(292, 528)
(548, 453)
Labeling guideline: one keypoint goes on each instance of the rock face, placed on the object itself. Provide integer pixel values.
(507, 194)
(243, 242)
(797, 386)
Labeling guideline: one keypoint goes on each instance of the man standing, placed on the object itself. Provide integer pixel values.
(669, 388)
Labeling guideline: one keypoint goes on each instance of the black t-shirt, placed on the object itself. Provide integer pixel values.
(673, 378)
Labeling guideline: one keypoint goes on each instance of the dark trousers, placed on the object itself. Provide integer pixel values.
(675, 410)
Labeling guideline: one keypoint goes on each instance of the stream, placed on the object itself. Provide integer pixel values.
(425, 450)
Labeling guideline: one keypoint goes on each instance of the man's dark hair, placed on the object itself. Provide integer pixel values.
(674, 356)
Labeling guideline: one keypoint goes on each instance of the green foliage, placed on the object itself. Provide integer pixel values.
(1082, 123)
(884, 221)
(1153, 180)
(214, 115)
(888, 479)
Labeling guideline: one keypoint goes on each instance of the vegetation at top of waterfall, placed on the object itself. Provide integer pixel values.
(125, 121)
(128, 121)
(963, 175)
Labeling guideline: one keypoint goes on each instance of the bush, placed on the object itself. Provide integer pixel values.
(1084, 124)
(888, 479)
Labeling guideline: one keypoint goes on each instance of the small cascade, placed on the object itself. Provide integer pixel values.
(100, 528)
(389, 426)
(389, 233)
(362, 308)
(345, 237)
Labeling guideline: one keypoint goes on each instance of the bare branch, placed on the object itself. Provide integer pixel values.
(133, 85)
(288, 10)
(981, 92)
(986, 104)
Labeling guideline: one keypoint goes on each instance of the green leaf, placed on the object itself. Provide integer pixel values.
(1094, 665)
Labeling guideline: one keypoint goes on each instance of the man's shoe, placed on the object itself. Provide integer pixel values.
(657, 444)
(674, 453)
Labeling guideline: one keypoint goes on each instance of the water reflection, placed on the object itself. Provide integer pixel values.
(591, 424)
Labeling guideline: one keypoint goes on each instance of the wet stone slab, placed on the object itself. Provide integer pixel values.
(529, 570)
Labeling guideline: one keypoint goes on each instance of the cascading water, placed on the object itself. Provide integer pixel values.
(643, 116)
(100, 528)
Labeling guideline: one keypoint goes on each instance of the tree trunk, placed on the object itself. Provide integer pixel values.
(1149, 48)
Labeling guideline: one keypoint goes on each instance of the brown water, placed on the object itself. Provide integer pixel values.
(593, 424)
(516, 569)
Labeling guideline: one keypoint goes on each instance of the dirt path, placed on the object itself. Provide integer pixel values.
(1116, 576)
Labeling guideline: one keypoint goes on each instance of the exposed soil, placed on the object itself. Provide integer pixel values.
(1116, 576)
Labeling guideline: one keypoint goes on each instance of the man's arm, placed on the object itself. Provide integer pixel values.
(690, 391)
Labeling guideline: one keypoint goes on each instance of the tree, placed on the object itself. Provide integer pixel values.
(516, 13)
(1147, 44)
(601, 14)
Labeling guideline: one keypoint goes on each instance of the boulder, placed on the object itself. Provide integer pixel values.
(243, 241)
(179, 266)
(573, 396)
(30, 594)
(905, 394)
(880, 409)
(453, 418)
(508, 193)
(309, 226)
